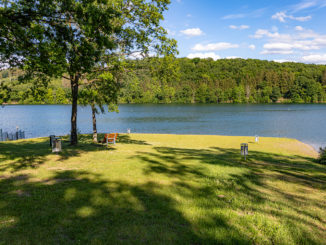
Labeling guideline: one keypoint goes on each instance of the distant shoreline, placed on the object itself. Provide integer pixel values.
(278, 103)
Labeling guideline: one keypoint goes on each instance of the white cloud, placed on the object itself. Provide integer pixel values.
(303, 40)
(260, 33)
(252, 47)
(241, 27)
(276, 52)
(253, 14)
(288, 48)
(232, 57)
(204, 55)
(233, 16)
(299, 28)
(282, 61)
(279, 16)
(315, 58)
(282, 16)
(303, 18)
(306, 4)
(214, 46)
(278, 46)
(192, 32)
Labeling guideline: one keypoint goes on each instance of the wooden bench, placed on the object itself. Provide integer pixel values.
(110, 138)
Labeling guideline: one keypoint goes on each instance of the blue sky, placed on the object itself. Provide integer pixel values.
(277, 30)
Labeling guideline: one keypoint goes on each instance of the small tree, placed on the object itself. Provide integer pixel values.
(100, 91)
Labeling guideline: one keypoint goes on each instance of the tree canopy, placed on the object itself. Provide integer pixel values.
(182, 80)
(69, 38)
(225, 81)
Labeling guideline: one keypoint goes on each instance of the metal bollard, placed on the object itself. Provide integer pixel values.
(244, 150)
(52, 137)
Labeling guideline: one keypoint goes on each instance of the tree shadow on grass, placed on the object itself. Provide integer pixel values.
(26, 154)
(126, 139)
(294, 169)
(248, 191)
(235, 207)
(79, 207)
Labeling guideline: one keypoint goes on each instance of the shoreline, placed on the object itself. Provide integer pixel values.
(224, 103)
(270, 141)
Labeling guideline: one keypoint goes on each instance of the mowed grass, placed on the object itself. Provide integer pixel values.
(162, 189)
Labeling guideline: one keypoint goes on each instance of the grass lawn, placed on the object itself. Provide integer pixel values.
(162, 189)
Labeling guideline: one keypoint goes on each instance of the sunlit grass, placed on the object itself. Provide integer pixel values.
(162, 189)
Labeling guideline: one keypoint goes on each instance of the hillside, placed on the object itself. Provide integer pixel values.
(193, 81)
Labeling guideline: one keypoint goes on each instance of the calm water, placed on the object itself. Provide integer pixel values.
(304, 122)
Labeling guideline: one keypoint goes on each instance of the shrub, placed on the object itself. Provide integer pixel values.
(5, 74)
(322, 156)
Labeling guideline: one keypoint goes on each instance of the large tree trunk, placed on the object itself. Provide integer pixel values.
(94, 123)
(74, 94)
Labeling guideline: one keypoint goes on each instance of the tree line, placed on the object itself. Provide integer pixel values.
(223, 81)
(183, 80)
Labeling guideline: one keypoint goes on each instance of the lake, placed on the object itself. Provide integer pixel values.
(303, 122)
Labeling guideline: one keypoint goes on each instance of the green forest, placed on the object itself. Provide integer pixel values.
(183, 80)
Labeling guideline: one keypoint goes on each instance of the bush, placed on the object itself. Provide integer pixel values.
(5, 74)
(322, 156)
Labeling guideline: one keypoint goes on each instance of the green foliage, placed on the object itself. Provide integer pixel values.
(59, 38)
(100, 89)
(223, 81)
(238, 94)
(322, 156)
(4, 93)
(276, 94)
(5, 74)
(182, 80)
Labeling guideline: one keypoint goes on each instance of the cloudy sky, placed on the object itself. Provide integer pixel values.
(280, 30)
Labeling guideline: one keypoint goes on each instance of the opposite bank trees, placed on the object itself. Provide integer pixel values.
(69, 38)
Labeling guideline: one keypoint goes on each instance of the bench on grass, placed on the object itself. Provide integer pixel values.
(110, 138)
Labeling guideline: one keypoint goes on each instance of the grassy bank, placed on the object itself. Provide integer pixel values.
(162, 189)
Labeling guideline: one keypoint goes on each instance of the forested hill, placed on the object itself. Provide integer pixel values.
(196, 80)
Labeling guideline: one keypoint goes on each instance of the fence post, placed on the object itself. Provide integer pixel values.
(5, 136)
